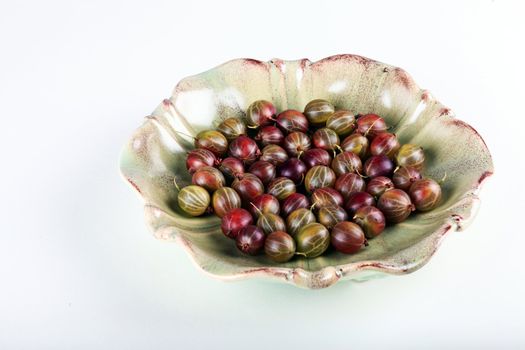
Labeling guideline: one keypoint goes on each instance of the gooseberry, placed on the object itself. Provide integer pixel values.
(378, 185)
(371, 125)
(342, 122)
(224, 200)
(317, 111)
(245, 149)
(199, 158)
(279, 246)
(269, 223)
(264, 170)
(385, 144)
(248, 186)
(263, 204)
(346, 162)
(326, 196)
(274, 154)
(316, 156)
(291, 120)
(296, 142)
(404, 177)
(349, 183)
(231, 168)
(293, 202)
(326, 139)
(250, 240)
(356, 143)
(294, 169)
(410, 156)
(260, 113)
(234, 221)
(379, 166)
(347, 237)
(329, 216)
(194, 200)
(312, 240)
(213, 141)
(232, 128)
(269, 135)
(299, 218)
(358, 200)
(319, 176)
(281, 188)
(371, 220)
(395, 205)
(425, 194)
(208, 177)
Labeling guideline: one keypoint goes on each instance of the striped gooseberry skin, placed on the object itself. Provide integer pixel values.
(425, 194)
(378, 185)
(274, 154)
(347, 237)
(331, 215)
(358, 200)
(356, 143)
(312, 240)
(269, 223)
(326, 196)
(371, 220)
(319, 176)
(379, 166)
(224, 200)
(385, 144)
(231, 168)
(349, 183)
(213, 141)
(234, 221)
(293, 202)
(297, 219)
(281, 188)
(410, 155)
(250, 240)
(346, 162)
(326, 139)
(371, 125)
(248, 186)
(260, 113)
(294, 169)
(296, 143)
(279, 246)
(199, 158)
(232, 128)
(264, 170)
(193, 200)
(404, 177)
(245, 149)
(291, 120)
(395, 205)
(317, 111)
(208, 177)
(316, 156)
(342, 122)
(269, 135)
(263, 204)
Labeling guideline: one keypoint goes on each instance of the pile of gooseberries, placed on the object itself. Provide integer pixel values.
(295, 183)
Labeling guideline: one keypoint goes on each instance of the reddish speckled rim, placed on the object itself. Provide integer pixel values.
(328, 276)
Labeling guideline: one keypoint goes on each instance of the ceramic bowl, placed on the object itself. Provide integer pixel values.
(155, 155)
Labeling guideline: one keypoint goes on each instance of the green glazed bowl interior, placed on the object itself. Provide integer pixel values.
(155, 155)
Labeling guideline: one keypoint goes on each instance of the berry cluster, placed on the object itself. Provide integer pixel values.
(305, 190)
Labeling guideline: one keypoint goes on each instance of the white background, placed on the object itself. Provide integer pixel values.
(78, 267)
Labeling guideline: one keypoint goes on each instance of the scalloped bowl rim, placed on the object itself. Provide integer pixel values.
(327, 276)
